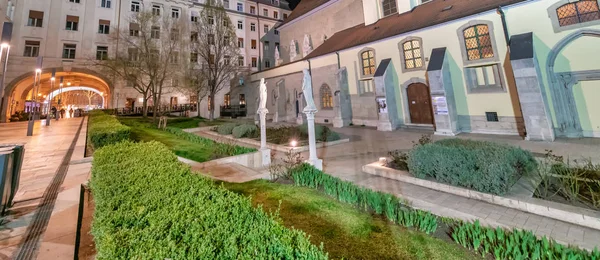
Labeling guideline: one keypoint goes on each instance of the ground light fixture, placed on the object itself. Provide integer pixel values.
(293, 143)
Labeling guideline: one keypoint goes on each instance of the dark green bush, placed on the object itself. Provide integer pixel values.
(478, 165)
(245, 130)
(366, 199)
(322, 133)
(105, 129)
(515, 244)
(150, 206)
(226, 129)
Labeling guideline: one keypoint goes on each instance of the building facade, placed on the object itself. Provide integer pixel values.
(66, 33)
(514, 67)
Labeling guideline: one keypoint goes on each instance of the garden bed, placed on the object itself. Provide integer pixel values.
(278, 138)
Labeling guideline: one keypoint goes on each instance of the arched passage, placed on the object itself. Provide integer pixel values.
(68, 89)
(570, 74)
(18, 92)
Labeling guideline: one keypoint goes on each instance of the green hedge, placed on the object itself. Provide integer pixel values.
(366, 199)
(322, 133)
(479, 165)
(105, 129)
(150, 206)
(226, 129)
(244, 130)
(221, 148)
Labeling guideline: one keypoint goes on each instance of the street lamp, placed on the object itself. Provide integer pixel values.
(7, 29)
(35, 93)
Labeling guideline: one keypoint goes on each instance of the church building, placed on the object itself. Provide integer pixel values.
(510, 67)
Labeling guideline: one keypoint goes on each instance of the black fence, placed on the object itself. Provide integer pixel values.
(183, 108)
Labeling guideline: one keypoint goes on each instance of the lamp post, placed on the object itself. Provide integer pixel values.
(50, 97)
(7, 28)
(34, 92)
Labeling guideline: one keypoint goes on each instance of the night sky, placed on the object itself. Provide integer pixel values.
(293, 3)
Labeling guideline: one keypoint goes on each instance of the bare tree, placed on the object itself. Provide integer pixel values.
(147, 54)
(216, 49)
(89, 94)
(192, 80)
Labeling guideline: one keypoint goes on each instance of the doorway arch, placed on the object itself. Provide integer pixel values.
(568, 123)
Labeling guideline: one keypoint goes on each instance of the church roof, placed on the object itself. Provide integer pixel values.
(422, 16)
(303, 7)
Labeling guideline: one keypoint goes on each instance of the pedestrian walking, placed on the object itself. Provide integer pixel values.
(62, 113)
(71, 113)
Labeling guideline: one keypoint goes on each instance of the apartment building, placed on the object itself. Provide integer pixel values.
(66, 33)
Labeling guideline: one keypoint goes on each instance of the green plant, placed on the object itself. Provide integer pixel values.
(282, 170)
(515, 244)
(425, 139)
(479, 165)
(221, 149)
(150, 206)
(245, 130)
(322, 133)
(226, 129)
(377, 202)
(105, 129)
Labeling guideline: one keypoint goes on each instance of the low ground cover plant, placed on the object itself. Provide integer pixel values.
(226, 129)
(245, 130)
(150, 206)
(104, 129)
(478, 165)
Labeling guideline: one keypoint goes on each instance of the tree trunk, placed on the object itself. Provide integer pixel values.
(156, 108)
(198, 104)
(144, 107)
(211, 111)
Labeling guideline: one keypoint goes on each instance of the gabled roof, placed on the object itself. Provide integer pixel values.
(422, 16)
(303, 7)
(282, 4)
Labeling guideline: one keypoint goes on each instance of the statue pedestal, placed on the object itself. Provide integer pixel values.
(299, 119)
(312, 142)
(265, 153)
(384, 123)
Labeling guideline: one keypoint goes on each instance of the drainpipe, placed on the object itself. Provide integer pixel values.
(258, 33)
(338, 59)
(504, 25)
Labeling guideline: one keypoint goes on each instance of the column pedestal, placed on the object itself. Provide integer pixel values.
(265, 153)
(312, 142)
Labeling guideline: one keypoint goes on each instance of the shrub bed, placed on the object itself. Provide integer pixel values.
(479, 165)
(226, 129)
(150, 206)
(221, 149)
(245, 130)
(322, 133)
(366, 199)
(105, 129)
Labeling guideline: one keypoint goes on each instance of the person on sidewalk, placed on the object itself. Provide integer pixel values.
(71, 113)
(54, 112)
(62, 113)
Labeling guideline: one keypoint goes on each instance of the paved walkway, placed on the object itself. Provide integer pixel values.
(367, 145)
(42, 222)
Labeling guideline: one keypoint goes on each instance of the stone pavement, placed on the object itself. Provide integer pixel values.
(42, 222)
(367, 145)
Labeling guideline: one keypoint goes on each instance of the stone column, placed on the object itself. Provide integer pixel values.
(265, 153)
(343, 115)
(312, 142)
(442, 93)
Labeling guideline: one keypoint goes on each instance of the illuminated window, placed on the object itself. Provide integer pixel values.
(326, 97)
(368, 62)
(412, 54)
(478, 42)
(578, 12)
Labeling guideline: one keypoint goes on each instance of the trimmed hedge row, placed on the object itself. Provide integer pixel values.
(104, 129)
(373, 201)
(226, 129)
(479, 165)
(245, 130)
(322, 133)
(501, 243)
(226, 149)
(150, 206)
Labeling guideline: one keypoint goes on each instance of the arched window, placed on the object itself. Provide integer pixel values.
(368, 62)
(411, 54)
(389, 7)
(326, 97)
(578, 12)
(478, 42)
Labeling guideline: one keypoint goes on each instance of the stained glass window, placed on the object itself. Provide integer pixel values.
(326, 97)
(368, 62)
(478, 42)
(578, 12)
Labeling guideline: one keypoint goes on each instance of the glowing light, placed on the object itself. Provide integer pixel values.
(38, 70)
(53, 79)
(383, 160)
(44, 96)
(141, 99)
(4, 45)
(68, 83)
(39, 94)
(293, 143)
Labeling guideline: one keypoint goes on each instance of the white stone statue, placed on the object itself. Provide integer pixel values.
(277, 56)
(307, 92)
(263, 95)
(306, 46)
